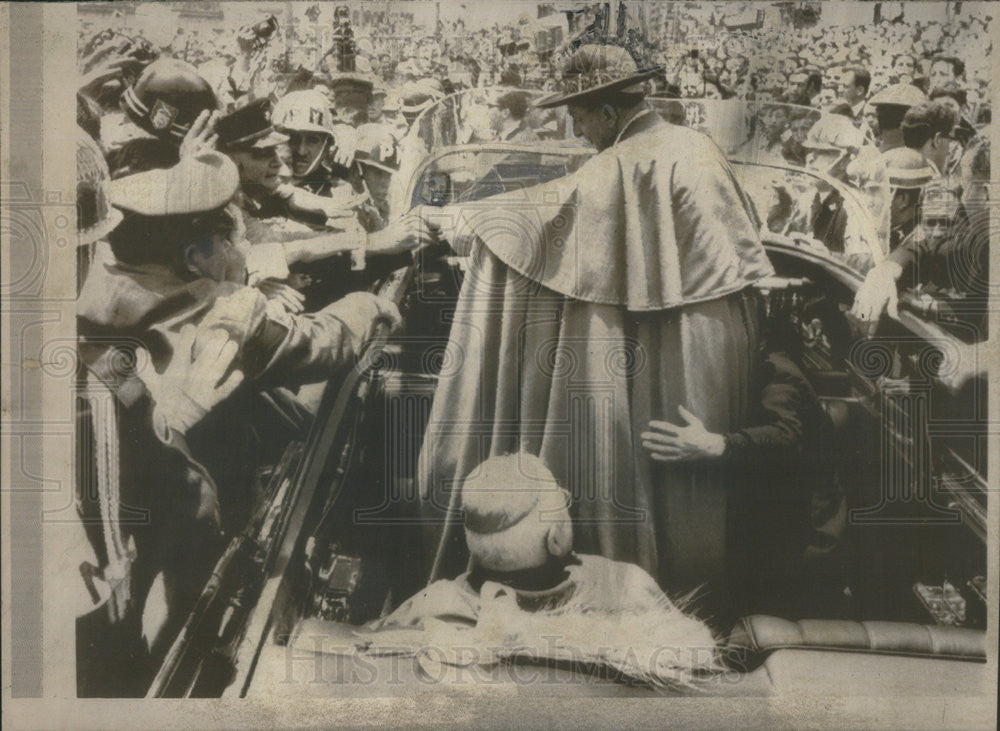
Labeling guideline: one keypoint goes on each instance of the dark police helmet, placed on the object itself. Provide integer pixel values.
(167, 98)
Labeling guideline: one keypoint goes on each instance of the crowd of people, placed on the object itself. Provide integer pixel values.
(701, 52)
(232, 195)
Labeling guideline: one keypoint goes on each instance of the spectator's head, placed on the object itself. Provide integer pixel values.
(927, 127)
(856, 83)
(512, 106)
(692, 84)
(892, 103)
(516, 515)
(938, 209)
(352, 93)
(377, 104)
(825, 98)
(714, 88)
(944, 69)
(903, 67)
(952, 94)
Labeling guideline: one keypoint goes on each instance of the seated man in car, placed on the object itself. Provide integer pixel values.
(526, 588)
(791, 510)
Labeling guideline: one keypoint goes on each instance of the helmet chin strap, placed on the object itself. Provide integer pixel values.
(319, 156)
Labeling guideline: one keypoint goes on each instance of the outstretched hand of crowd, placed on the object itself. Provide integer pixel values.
(201, 136)
(192, 382)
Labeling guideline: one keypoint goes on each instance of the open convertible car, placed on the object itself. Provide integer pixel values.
(339, 540)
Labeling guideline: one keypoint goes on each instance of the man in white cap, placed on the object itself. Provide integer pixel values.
(176, 262)
(625, 290)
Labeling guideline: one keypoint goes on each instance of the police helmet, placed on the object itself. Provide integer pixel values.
(303, 111)
(167, 98)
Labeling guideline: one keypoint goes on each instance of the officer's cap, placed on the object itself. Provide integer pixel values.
(196, 184)
(249, 127)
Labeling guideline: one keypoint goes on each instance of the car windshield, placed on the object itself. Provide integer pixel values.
(806, 190)
(747, 131)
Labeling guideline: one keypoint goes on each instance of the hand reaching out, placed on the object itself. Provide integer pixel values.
(407, 233)
(102, 73)
(668, 442)
(192, 382)
(878, 294)
(201, 136)
(345, 146)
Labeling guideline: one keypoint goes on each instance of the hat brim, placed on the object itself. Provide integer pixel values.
(101, 229)
(562, 98)
(914, 181)
(345, 78)
(271, 138)
(195, 185)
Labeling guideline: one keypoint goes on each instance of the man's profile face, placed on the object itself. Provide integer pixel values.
(850, 89)
(951, 103)
(903, 210)
(259, 167)
(592, 124)
(216, 256)
(307, 148)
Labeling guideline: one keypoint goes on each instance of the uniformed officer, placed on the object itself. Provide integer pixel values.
(175, 262)
(170, 103)
(352, 95)
(287, 225)
(306, 118)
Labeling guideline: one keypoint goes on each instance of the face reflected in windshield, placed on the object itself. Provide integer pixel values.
(938, 210)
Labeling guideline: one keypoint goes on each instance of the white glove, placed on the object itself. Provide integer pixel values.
(190, 385)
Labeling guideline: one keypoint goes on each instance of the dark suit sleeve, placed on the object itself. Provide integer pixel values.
(776, 436)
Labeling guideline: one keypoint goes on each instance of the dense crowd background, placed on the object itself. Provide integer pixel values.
(742, 50)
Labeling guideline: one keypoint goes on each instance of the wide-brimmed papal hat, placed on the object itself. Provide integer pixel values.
(594, 69)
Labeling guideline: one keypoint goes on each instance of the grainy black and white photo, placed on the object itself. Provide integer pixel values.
(477, 363)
